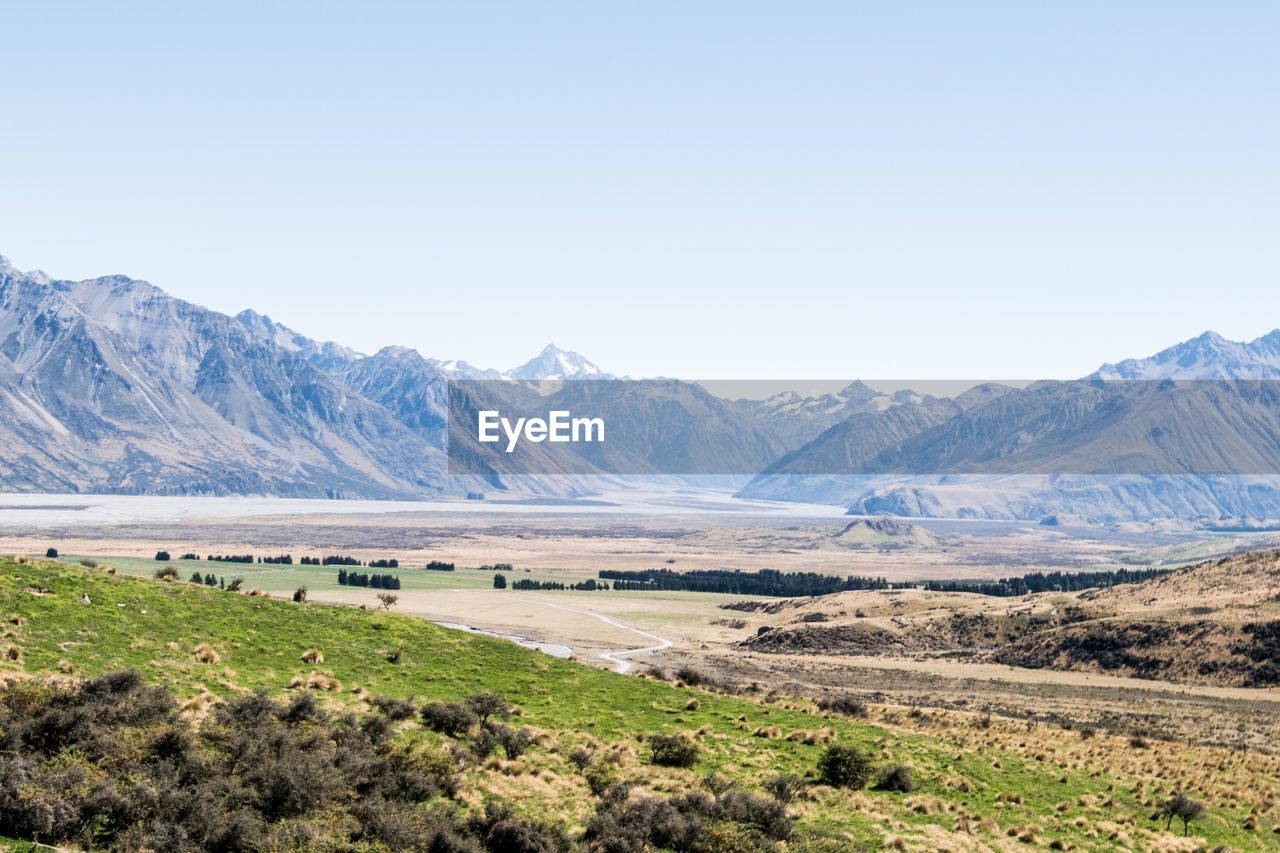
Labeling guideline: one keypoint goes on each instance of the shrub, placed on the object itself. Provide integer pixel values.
(896, 777)
(484, 742)
(716, 784)
(843, 766)
(783, 788)
(486, 705)
(258, 775)
(580, 757)
(52, 553)
(163, 557)
(673, 751)
(690, 676)
(626, 824)
(514, 741)
(763, 813)
(600, 776)
(1183, 807)
(450, 718)
(166, 573)
(500, 831)
(300, 595)
(849, 706)
(395, 709)
(499, 581)
(387, 600)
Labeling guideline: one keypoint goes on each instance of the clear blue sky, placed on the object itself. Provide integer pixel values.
(687, 189)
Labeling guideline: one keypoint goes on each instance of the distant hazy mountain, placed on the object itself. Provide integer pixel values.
(555, 363)
(996, 457)
(796, 419)
(1209, 356)
(654, 428)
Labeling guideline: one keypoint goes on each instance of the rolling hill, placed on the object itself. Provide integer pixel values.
(215, 650)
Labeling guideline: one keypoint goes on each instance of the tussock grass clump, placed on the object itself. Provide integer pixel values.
(66, 667)
(205, 653)
(316, 680)
(17, 619)
(812, 738)
(311, 657)
(13, 653)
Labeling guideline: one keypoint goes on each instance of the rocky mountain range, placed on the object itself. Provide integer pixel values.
(1108, 448)
(112, 385)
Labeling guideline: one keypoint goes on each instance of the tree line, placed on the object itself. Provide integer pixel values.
(375, 581)
(1047, 582)
(590, 585)
(736, 582)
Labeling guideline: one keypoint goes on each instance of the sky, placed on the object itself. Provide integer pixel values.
(711, 190)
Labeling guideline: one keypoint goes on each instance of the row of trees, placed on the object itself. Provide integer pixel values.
(764, 582)
(1047, 582)
(590, 584)
(375, 581)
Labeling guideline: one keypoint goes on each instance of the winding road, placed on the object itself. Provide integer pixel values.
(619, 658)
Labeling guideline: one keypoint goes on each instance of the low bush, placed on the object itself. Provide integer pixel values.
(395, 709)
(109, 763)
(450, 718)
(844, 766)
(673, 751)
(486, 705)
(849, 706)
(896, 777)
(783, 788)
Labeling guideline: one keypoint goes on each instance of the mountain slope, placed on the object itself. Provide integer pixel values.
(164, 629)
(1102, 450)
(555, 363)
(1209, 356)
(117, 387)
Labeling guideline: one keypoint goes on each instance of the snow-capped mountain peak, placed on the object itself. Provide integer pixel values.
(555, 363)
(1209, 356)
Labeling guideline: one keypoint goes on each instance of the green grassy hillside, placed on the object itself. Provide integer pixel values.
(980, 782)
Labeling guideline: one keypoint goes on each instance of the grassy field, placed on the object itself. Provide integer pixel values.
(981, 783)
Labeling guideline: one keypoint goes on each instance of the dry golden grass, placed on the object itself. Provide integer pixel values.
(316, 680)
(205, 653)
